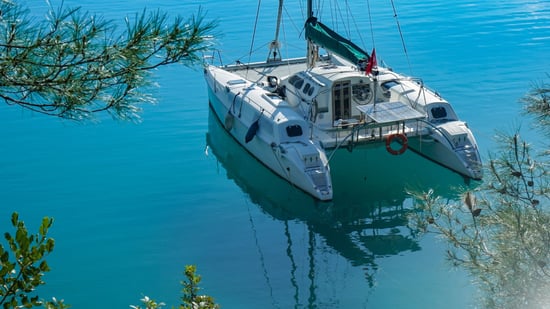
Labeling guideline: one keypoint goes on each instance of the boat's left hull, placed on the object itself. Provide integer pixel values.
(239, 117)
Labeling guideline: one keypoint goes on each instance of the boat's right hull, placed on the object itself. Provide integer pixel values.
(452, 159)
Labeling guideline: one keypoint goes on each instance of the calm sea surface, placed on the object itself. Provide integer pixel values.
(134, 203)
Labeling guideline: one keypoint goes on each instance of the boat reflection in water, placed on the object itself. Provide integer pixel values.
(367, 218)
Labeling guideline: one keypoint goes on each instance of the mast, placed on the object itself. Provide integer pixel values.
(312, 49)
(274, 52)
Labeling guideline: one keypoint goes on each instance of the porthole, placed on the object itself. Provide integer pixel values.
(362, 93)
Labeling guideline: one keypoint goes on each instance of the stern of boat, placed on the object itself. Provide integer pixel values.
(453, 145)
(306, 166)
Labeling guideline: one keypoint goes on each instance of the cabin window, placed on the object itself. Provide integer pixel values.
(439, 112)
(341, 100)
(296, 81)
(293, 79)
(362, 93)
(388, 85)
(294, 131)
(306, 88)
(311, 90)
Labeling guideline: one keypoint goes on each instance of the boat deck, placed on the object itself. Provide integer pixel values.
(259, 71)
(385, 118)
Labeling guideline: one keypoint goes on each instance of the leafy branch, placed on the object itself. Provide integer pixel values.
(500, 232)
(75, 64)
(21, 276)
(190, 299)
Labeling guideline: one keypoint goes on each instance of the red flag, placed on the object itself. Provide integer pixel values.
(372, 62)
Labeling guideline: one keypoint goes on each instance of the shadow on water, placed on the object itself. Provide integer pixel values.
(367, 219)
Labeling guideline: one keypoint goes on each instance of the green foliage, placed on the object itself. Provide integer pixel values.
(22, 270)
(74, 64)
(149, 304)
(190, 299)
(537, 103)
(501, 232)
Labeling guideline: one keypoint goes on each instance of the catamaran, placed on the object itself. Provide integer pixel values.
(294, 114)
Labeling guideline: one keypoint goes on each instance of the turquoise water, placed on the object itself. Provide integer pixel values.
(134, 203)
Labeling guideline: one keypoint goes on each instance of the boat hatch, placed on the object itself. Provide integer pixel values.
(390, 112)
(235, 82)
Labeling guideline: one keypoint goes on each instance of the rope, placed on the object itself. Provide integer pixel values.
(233, 103)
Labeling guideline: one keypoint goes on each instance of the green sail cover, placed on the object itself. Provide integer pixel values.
(330, 40)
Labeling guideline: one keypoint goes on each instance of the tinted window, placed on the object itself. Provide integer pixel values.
(296, 81)
(293, 131)
(293, 79)
(306, 88)
(389, 84)
(439, 112)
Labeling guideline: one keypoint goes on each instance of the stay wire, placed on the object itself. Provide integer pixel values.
(254, 32)
(255, 27)
(401, 35)
(370, 23)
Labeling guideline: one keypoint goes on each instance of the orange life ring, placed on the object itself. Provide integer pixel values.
(402, 139)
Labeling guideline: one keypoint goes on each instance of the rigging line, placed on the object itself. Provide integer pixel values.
(260, 252)
(301, 10)
(289, 17)
(317, 9)
(255, 27)
(253, 52)
(285, 40)
(254, 32)
(344, 21)
(338, 16)
(332, 13)
(348, 17)
(370, 23)
(401, 35)
(357, 30)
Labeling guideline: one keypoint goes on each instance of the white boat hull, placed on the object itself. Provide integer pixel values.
(455, 160)
(302, 163)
